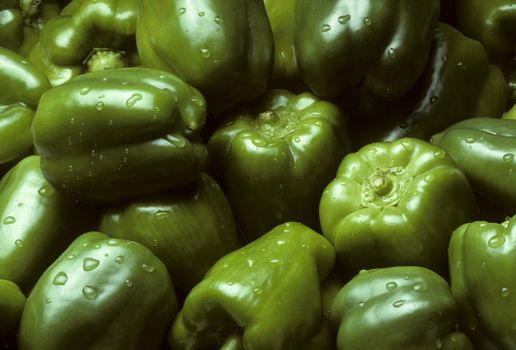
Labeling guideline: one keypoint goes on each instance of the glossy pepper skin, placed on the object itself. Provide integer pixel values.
(106, 293)
(385, 206)
(285, 72)
(120, 134)
(457, 71)
(194, 223)
(88, 35)
(267, 158)
(482, 257)
(485, 149)
(12, 302)
(266, 295)
(21, 22)
(23, 84)
(37, 223)
(402, 307)
(325, 337)
(11, 25)
(334, 61)
(223, 48)
(493, 23)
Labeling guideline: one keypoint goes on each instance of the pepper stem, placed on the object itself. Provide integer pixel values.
(233, 342)
(381, 184)
(268, 117)
(276, 123)
(101, 59)
(384, 187)
(30, 7)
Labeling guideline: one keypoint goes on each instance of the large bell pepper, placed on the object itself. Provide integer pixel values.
(485, 149)
(482, 257)
(12, 302)
(116, 134)
(223, 48)
(189, 229)
(36, 223)
(493, 23)
(403, 307)
(365, 52)
(88, 35)
(264, 296)
(22, 86)
(457, 71)
(395, 203)
(267, 158)
(101, 293)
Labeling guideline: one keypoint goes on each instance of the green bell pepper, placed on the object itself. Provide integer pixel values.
(493, 23)
(267, 158)
(264, 296)
(395, 203)
(11, 25)
(325, 337)
(21, 22)
(117, 134)
(88, 35)
(12, 302)
(482, 257)
(56, 74)
(402, 307)
(485, 149)
(457, 71)
(169, 224)
(101, 293)
(23, 84)
(365, 52)
(37, 223)
(285, 72)
(223, 48)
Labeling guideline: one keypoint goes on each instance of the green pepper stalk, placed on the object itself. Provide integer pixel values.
(395, 203)
(267, 157)
(88, 35)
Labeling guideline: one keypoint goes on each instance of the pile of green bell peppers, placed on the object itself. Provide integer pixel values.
(257, 175)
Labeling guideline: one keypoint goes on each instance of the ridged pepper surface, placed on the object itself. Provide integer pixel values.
(395, 203)
(264, 296)
(274, 157)
(223, 48)
(121, 133)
